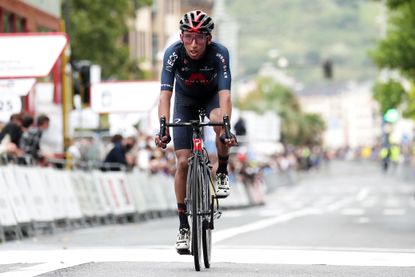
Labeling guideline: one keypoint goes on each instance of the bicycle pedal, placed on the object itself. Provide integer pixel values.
(183, 251)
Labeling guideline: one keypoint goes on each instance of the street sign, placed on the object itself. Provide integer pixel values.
(124, 97)
(9, 104)
(29, 55)
(20, 87)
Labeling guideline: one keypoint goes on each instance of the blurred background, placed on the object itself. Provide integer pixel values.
(329, 76)
(324, 107)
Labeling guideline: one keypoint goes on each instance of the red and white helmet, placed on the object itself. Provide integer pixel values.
(197, 21)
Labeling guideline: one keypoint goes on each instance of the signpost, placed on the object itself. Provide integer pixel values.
(20, 87)
(29, 55)
(124, 97)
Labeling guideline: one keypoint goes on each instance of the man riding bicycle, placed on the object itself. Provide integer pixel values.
(201, 70)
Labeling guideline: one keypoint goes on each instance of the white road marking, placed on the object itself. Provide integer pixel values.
(257, 225)
(353, 211)
(369, 203)
(264, 223)
(394, 211)
(338, 204)
(362, 195)
(392, 202)
(56, 259)
(363, 220)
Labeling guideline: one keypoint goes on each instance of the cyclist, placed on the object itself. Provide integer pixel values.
(201, 70)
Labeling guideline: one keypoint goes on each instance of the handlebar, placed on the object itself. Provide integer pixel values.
(196, 124)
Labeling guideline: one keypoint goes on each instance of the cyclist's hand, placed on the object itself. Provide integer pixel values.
(232, 141)
(163, 141)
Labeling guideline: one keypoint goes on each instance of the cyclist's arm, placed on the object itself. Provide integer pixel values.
(225, 102)
(170, 61)
(224, 81)
(164, 104)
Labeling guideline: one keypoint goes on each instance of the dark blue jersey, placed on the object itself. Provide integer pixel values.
(196, 80)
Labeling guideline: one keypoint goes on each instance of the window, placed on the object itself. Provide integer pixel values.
(21, 25)
(10, 23)
(155, 45)
(6, 23)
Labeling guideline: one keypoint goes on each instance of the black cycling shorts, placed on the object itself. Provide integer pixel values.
(182, 136)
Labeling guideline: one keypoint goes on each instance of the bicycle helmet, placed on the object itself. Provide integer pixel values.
(197, 21)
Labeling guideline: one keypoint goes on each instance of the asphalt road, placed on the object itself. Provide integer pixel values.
(349, 220)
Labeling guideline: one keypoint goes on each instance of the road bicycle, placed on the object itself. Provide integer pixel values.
(201, 202)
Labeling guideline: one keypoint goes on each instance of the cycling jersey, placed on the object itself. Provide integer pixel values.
(196, 80)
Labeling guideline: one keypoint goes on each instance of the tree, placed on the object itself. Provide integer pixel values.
(397, 49)
(97, 31)
(389, 95)
(297, 127)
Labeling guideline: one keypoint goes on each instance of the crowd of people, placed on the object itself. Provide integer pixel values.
(21, 138)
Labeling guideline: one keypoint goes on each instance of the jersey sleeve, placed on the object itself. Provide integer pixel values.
(170, 62)
(224, 71)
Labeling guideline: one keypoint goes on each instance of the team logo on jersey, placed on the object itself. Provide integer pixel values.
(224, 66)
(197, 78)
(206, 68)
(170, 61)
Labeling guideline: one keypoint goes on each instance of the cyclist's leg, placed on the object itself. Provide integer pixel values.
(182, 144)
(222, 180)
(215, 114)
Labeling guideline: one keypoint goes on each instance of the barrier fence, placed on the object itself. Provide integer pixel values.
(36, 200)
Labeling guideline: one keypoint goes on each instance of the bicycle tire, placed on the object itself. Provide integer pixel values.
(206, 230)
(196, 219)
(206, 243)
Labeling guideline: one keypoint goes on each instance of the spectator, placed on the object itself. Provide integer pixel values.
(30, 140)
(116, 157)
(13, 128)
(10, 136)
(27, 121)
(74, 152)
(240, 127)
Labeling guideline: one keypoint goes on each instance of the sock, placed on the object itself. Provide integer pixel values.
(181, 209)
(223, 165)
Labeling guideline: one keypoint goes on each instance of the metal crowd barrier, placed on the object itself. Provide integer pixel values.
(37, 200)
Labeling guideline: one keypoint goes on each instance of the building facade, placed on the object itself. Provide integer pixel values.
(29, 16)
(351, 115)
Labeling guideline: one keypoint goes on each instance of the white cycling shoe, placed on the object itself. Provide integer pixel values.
(222, 185)
(183, 241)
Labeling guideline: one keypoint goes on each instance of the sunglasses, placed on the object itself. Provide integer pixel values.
(198, 38)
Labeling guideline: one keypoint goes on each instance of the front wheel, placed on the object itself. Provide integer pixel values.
(207, 243)
(196, 218)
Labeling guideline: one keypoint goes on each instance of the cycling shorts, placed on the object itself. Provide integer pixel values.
(182, 136)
